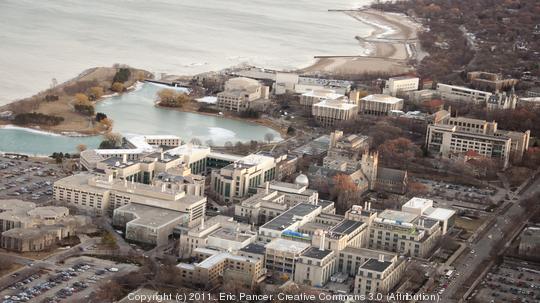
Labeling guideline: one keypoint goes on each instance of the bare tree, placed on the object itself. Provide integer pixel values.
(269, 137)
(195, 141)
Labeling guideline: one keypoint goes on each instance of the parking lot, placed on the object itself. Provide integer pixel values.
(459, 196)
(28, 180)
(74, 281)
(510, 282)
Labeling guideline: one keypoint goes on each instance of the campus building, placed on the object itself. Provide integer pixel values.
(462, 94)
(315, 266)
(273, 199)
(490, 81)
(500, 101)
(102, 193)
(217, 267)
(308, 99)
(26, 228)
(239, 93)
(378, 276)
(136, 146)
(405, 233)
(148, 224)
(233, 182)
(288, 223)
(282, 255)
(293, 83)
(424, 207)
(379, 105)
(459, 135)
(220, 233)
(329, 112)
(398, 86)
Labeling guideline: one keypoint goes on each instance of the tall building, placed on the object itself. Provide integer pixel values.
(459, 135)
(233, 182)
(239, 93)
(399, 86)
(379, 105)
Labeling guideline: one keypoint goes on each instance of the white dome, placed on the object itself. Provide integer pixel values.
(302, 180)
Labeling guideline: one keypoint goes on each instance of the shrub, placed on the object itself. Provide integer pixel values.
(37, 118)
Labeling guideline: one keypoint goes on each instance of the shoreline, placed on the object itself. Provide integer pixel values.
(384, 56)
(260, 121)
(391, 44)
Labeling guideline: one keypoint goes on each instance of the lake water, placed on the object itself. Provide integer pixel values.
(58, 39)
(135, 113)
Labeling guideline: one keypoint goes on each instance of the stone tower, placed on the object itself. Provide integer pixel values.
(369, 165)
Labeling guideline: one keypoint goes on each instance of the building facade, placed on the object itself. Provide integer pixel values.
(462, 94)
(329, 112)
(233, 182)
(239, 93)
(379, 105)
(399, 86)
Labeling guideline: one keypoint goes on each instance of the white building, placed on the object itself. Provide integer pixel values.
(137, 146)
(328, 112)
(379, 105)
(424, 207)
(398, 86)
(462, 94)
(309, 98)
(292, 83)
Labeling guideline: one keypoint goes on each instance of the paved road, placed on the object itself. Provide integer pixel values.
(480, 251)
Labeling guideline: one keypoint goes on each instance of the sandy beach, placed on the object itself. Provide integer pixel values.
(388, 49)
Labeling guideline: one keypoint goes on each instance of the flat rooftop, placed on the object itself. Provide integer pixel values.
(376, 265)
(345, 227)
(380, 98)
(151, 216)
(399, 216)
(337, 104)
(368, 253)
(231, 235)
(287, 218)
(285, 245)
(254, 248)
(314, 147)
(441, 214)
(418, 203)
(316, 253)
(323, 93)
